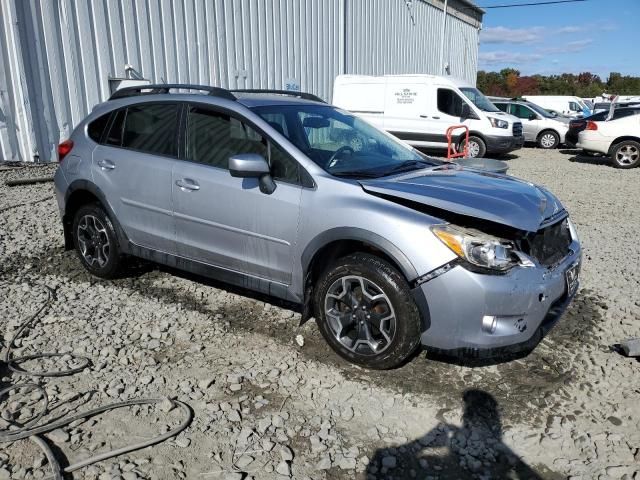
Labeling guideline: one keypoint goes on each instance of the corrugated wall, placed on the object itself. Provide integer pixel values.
(56, 56)
(395, 37)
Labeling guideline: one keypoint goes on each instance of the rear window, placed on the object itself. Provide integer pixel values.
(151, 129)
(95, 130)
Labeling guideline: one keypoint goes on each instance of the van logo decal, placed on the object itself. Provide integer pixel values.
(406, 95)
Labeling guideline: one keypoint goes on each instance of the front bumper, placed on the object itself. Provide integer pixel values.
(500, 144)
(526, 302)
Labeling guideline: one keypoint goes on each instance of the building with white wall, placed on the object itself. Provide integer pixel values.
(59, 58)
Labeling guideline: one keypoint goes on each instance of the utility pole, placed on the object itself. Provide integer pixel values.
(444, 29)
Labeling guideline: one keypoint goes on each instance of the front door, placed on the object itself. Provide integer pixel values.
(530, 121)
(133, 168)
(228, 222)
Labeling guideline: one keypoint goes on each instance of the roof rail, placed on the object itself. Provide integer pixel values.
(291, 93)
(165, 87)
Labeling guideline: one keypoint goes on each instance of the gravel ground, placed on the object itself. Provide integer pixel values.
(266, 407)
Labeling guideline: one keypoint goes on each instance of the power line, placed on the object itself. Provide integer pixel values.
(531, 4)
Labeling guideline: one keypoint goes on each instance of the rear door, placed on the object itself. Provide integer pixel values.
(228, 222)
(133, 167)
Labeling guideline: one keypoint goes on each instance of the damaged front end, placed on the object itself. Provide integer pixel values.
(513, 275)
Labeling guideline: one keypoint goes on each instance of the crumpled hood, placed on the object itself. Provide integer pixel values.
(489, 196)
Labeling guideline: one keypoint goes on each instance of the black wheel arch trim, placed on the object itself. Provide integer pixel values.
(349, 234)
(92, 188)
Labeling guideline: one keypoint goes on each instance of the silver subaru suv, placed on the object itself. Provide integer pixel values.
(280, 193)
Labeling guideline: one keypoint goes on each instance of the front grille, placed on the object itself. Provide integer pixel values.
(549, 245)
(517, 129)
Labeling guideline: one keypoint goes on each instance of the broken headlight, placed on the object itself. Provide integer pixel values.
(478, 248)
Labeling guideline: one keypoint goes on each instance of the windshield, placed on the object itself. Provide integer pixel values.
(479, 100)
(342, 144)
(540, 110)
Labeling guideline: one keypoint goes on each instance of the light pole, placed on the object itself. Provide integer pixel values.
(444, 28)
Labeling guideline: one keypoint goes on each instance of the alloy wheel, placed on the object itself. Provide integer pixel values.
(548, 140)
(627, 155)
(360, 315)
(93, 241)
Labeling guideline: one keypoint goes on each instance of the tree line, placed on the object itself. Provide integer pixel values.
(509, 83)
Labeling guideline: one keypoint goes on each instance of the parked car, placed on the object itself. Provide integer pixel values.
(618, 138)
(579, 124)
(419, 108)
(387, 248)
(606, 106)
(563, 104)
(538, 125)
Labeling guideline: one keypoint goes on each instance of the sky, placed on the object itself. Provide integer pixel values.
(598, 36)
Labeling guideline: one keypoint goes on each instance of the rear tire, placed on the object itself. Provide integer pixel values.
(477, 147)
(548, 140)
(366, 313)
(95, 241)
(626, 154)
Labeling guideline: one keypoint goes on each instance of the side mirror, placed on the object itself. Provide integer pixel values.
(466, 111)
(533, 116)
(252, 165)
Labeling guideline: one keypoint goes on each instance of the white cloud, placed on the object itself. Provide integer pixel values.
(511, 35)
(506, 35)
(569, 47)
(512, 58)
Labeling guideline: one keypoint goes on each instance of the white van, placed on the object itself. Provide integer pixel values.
(563, 104)
(419, 108)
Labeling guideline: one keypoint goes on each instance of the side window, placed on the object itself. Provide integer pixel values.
(151, 129)
(449, 102)
(114, 137)
(574, 107)
(96, 128)
(521, 111)
(501, 106)
(213, 137)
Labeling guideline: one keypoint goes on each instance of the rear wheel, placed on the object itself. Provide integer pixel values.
(477, 147)
(366, 313)
(548, 140)
(95, 241)
(626, 154)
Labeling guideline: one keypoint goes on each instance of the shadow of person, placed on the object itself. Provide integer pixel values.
(474, 450)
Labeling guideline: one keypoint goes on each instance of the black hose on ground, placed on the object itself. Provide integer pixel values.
(33, 429)
(27, 181)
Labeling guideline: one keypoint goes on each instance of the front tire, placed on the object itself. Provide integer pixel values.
(548, 140)
(95, 241)
(626, 154)
(477, 147)
(366, 313)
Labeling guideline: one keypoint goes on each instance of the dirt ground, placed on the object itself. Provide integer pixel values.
(267, 408)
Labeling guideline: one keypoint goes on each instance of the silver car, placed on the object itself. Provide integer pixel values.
(538, 125)
(388, 249)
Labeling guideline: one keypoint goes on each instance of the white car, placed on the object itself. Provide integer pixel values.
(619, 138)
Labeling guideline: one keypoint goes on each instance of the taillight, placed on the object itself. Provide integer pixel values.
(64, 148)
(591, 125)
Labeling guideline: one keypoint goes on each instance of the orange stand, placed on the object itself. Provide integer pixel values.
(452, 150)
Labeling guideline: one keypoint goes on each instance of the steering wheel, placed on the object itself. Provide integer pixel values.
(338, 153)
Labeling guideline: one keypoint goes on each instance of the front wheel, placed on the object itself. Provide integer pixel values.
(548, 140)
(366, 313)
(477, 147)
(626, 154)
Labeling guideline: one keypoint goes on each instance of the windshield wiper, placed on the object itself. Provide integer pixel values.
(408, 165)
(355, 174)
